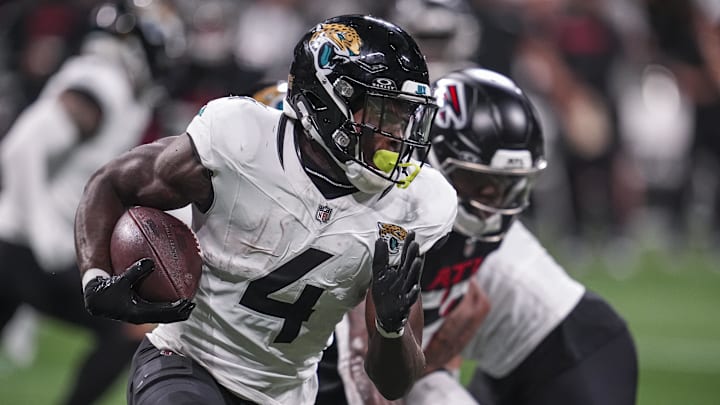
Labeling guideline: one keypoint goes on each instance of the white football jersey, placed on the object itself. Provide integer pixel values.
(45, 169)
(282, 263)
(530, 294)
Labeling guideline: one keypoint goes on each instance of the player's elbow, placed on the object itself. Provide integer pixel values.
(102, 177)
(103, 186)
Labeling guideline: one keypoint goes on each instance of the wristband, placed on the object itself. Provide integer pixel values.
(386, 334)
(92, 274)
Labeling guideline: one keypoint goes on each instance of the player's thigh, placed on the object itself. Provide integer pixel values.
(56, 294)
(62, 299)
(21, 275)
(166, 378)
(331, 387)
(24, 281)
(606, 377)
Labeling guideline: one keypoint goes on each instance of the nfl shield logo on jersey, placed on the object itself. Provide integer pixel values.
(323, 213)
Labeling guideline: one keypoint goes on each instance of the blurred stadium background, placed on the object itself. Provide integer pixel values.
(628, 92)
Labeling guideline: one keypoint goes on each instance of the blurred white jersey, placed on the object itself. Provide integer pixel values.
(282, 263)
(44, 168)
(530, 294)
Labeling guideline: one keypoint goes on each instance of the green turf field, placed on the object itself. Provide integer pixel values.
(671, 304)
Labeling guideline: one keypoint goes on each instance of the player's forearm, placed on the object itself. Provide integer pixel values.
(394, 364)
(125, 181)
(95, 219)
(458, 329)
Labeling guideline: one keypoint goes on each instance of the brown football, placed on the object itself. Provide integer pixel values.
(143, 232)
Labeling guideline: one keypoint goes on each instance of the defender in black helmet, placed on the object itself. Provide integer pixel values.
(542, 338)
(546, 339)
(299, 215)
(489, 144)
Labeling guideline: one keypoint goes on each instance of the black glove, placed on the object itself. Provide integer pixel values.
(114, 297)
(395, 288)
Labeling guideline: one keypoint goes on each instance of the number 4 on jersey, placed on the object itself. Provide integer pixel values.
(294, 314)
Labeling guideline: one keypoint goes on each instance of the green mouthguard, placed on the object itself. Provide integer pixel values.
(386, 160)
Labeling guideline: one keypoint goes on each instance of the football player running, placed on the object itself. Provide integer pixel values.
(94, 108)
(543, 338)
(300, 215)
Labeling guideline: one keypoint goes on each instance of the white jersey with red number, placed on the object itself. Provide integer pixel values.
(282, 263)
(530, 294)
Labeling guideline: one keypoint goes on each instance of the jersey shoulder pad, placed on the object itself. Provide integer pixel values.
(519, 243)
(226, 107)
(518, 237)
(231, 128)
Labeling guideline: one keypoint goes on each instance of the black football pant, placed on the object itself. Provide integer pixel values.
(59, 295)
(589, 359)
(162, 377)
(331, 389)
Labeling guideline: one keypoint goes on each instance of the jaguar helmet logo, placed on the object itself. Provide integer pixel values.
(394, 236)
(331, 40)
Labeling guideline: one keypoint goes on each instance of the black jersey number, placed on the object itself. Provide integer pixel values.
(256, 295)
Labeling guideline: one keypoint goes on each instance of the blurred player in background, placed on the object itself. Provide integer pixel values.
(546, 339)
(448, 32)
(272, 95)
(95, 107)
(300, 214)
(543, 339)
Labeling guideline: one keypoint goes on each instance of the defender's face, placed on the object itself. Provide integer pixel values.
(492, 192)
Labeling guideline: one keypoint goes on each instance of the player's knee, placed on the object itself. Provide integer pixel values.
(172, 393)
(175, 396)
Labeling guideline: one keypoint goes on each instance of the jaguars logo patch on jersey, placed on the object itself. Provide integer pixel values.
(393, 234)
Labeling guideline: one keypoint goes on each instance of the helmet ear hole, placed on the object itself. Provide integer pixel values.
(356, 104)
(315, 102)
